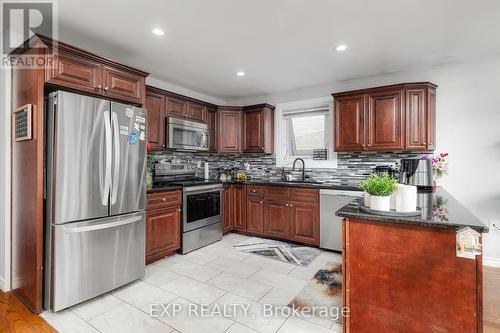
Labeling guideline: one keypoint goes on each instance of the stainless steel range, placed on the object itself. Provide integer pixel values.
(201, 204)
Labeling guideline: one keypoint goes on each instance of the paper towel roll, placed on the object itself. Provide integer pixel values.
(406, 198)
(207, 171)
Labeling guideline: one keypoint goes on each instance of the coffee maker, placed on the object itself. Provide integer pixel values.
(418, 172)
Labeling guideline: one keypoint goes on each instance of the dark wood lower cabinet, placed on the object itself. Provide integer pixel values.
(255, 215)
(163, 225)
(239, 208)
(304, 220)
(287, 213)
(227, 209)
(276, 220)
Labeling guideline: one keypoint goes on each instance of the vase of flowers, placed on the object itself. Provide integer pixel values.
(439, 167)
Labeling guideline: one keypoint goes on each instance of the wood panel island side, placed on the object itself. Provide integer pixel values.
(403, 275)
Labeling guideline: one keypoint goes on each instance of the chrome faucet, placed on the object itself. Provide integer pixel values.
(303, 168)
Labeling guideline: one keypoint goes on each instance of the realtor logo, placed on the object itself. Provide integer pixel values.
(21, 21)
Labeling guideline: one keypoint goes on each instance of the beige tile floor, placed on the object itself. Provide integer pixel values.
(213, 276)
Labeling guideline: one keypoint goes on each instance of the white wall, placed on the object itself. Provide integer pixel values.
(468, 127)
(5, 180)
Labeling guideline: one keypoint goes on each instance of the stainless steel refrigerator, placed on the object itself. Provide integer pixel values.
(95, 197)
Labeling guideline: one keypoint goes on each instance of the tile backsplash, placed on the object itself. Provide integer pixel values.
(352, 168)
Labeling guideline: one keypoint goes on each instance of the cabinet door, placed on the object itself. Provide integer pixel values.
(162, 230)
(123, 85)
(253, 131)
(276, 218)
(212, 130)
(255, 215)
(155, 106)
(304, 223)
(76, 73)
(385, 121)
(239, 208)
(176, 107)
(229, 131)
(431, 119)
(197, 112)
(416, 120)
(227, 209)
(349, 113)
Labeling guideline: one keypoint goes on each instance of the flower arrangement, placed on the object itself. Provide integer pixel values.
(439, 164)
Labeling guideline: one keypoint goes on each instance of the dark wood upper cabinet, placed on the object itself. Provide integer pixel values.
(390, 118)
(212, 129)
(239, 207)
(258, 129)
(385, 120)
(176, 107)
(155, 106)
(197, 111)
(76, 73)
(349, 128)
(229, 123)
(80, 70)
(123, 85)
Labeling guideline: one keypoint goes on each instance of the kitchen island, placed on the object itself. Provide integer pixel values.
(403, 275)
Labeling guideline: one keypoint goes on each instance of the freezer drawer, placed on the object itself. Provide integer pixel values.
(93, 257)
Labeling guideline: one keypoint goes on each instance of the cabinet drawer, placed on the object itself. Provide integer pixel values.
(255, 191)
(304, 195)
(163, 199)
(275, 191)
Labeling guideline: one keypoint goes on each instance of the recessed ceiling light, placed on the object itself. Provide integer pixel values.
(240, 73)
(341, 47)
(158, 32)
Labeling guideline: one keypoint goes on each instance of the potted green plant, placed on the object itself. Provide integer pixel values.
(380, 189)
(366, 195)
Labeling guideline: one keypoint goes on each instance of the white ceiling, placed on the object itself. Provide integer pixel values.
(280, 44)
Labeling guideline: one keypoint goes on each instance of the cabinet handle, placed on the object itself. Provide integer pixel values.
(106, 88)
(286, 205)
(163, 199)
(179, 209)
(291, 205)
(99, 86)
(254, 191)
(363, 146)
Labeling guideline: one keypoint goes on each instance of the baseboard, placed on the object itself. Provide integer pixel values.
(491, 262)
(4, 285)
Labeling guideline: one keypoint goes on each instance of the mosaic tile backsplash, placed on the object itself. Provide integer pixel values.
(351, 169)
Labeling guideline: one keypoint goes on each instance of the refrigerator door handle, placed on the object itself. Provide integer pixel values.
(103, 225)
(116, 142)
(107, 175)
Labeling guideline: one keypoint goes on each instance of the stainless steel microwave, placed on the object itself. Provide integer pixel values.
(186, 135)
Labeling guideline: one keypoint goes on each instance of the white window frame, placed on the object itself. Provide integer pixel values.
(279, 132)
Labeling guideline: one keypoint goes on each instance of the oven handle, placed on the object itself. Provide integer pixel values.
(203, 189)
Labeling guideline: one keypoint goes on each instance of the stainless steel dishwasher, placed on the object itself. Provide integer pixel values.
(331, 225)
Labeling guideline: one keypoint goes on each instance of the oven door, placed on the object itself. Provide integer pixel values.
(186, 135)
(201, 206)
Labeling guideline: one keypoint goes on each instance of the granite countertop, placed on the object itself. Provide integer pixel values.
(322, 186)
(165, 189)
(439, 210)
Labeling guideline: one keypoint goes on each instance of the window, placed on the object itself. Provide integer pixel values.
(301, 128)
